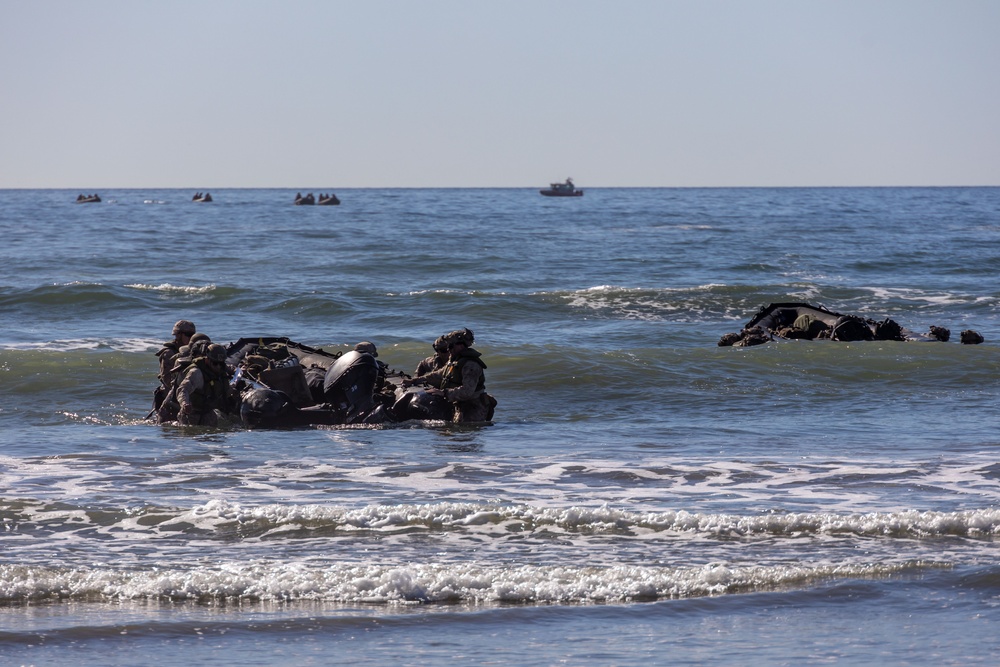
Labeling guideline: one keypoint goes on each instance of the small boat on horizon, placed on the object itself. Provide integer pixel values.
(202, 197)
(566, 189)
(310, 200)
(88, 199)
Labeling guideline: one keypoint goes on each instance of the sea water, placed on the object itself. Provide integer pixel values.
(643, 496)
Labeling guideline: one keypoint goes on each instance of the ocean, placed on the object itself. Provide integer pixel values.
(643, 496)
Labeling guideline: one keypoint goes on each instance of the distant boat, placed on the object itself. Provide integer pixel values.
(566, 189)
(88, 199)
(328, 200)
(308, 200)
(199, 197)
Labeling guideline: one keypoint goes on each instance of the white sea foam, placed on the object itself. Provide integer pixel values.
(167, 287)
(919, 296)
(77, 344)
(469, 583)
(832, 487)
(64, 345)
(220, 516)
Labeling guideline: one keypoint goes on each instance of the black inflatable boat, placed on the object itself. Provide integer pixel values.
(811, 322)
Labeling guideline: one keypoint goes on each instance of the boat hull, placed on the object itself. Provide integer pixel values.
(794, 320)
(285, 384)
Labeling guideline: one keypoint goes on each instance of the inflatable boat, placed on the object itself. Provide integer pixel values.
(282, 384)
(807, 321)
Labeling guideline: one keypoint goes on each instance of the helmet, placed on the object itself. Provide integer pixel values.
(199, 337)
(216, 353)
(464, 336)
(441, 344)
(367, 347)
(184, 327)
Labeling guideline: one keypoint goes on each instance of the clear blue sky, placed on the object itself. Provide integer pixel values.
(328, 94)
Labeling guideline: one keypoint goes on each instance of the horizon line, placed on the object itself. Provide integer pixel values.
(487, 187)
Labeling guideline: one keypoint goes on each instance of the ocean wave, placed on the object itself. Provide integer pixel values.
(468, 583)
(907, 524)
(137, 345)
(227, 519)
(721, 302)
(181, 289)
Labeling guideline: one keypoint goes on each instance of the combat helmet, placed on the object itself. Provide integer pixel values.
(184, 327)
(366, 347)
(464, 336)
(199, 344)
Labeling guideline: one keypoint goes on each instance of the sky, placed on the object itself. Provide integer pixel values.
(325, 94)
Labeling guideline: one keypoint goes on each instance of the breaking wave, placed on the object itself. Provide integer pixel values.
(409, 584)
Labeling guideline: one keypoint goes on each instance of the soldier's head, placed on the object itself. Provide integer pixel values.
(366, 347)
(183, 330)
(460, 340)
(199, 345)
(441, 345)
(216, 355)
(464, 336)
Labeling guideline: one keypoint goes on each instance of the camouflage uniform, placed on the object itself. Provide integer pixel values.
(437, 361)
(464, 385)
(183, 330)
(430, 364)
(167, 411)
(204, 389)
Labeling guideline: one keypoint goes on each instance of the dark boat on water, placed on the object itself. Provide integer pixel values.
(566, 189)
(203, 198)
(88, 199)
(279, 383)
(804, 321)
(310, 200)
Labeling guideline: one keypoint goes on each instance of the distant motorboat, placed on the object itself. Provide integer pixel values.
(328, 200)
(308, 200)
(566, 189)
(88, 199)
(199, 197)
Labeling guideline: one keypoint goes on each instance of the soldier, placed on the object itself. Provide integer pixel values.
(435, 362)
(199, 345)
(182, 333)
(167, 412)
(462, 382)
(204, 389)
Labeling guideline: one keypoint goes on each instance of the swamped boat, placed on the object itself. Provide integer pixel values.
(796, 321)
(280, 383)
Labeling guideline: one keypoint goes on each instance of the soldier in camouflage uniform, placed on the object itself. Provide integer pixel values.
(462, 382)
(436, 361)
(204, 389)
(182, 333)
